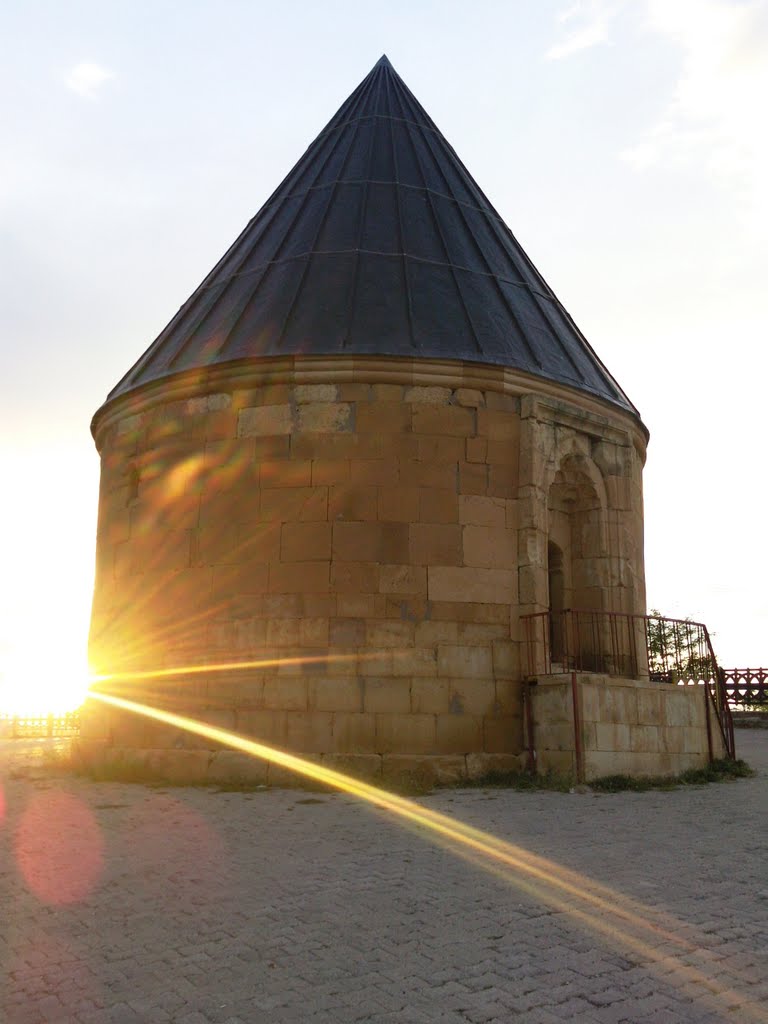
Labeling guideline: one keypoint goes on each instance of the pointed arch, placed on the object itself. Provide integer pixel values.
(577, 535)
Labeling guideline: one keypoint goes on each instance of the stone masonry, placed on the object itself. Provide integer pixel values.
(626, 726)
(370, 531)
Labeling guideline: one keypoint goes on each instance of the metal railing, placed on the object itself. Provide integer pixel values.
(633, 646)
(17, 726)
(583, 641)
(747, 687)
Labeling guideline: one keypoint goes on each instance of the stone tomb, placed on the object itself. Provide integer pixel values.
(367, 444)
(391, 534)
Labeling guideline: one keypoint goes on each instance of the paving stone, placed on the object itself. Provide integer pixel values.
(243, 908)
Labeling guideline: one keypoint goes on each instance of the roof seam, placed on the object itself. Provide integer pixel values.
(488, 211)
(309, 253)
(283, 331)
(545, 313)
(356, 271)
(401, 236)
(283, 241)
(264, 268)
(439, 231)
(375, 117)
(512, 313)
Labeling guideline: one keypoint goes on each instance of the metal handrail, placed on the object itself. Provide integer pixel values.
(633, 646)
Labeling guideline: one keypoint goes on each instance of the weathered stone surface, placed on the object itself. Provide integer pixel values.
(430, 696)
(402, 579)
(323, 393)
(438, 505)
(323, 417)
(431, 395)
(359, 766)
(405, 733)
(458, 733)
(435, 544)
(386, 531)
(305, 542)
(617, 737)
(490, 547)
(473, 585)
(234, 766)
(266, 420)
(387, 695)
(482, 764)
(460, 661)
(443, 421)
(482, 511)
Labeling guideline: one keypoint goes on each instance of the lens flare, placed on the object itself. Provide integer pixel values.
(40, 686)
(222, 666)
(651, 935)
(59, 848)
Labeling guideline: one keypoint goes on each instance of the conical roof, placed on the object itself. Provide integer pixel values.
(378, 242)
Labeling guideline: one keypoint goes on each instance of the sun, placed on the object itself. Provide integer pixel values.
(33, 686)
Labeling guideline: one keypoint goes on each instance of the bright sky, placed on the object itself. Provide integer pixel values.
(623, 142)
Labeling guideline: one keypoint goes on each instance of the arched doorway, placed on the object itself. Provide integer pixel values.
(577, 564)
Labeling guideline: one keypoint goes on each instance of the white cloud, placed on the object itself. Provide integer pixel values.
(86, 79)
(583, 40)
(588, 21)
(714, 118)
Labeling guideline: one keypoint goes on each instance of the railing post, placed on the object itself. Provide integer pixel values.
(707, 712)
(578, 750)
(528, 718)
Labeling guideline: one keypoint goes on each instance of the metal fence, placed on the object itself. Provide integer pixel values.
(584, 641)
(17, 726)
(633, 646)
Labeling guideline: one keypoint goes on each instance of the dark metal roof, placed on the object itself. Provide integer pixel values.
(378, 242)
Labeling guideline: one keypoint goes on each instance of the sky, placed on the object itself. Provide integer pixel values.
(622, 141)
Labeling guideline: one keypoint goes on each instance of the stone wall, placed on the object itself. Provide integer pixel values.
(628, 726)
(364, 542)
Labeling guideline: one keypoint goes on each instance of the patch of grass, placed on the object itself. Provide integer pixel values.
(719, 771)
(415, 785)
(520, 781)
(631, 784)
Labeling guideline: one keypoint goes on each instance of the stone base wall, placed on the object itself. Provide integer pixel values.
(628, 726)
(221, 767)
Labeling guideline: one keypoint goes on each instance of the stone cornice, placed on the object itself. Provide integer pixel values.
(547, 397)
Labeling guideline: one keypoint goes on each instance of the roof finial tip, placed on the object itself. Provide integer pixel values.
(383, 61)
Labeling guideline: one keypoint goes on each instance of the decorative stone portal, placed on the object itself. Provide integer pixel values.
(367, 444)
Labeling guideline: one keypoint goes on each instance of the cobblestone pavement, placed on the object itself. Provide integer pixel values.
(135, 904)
